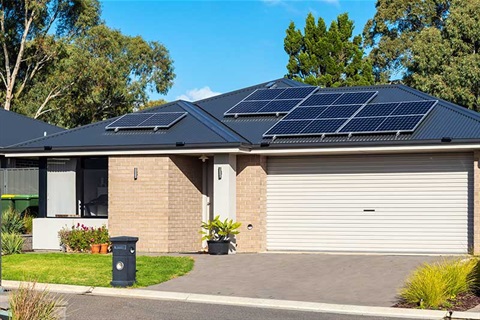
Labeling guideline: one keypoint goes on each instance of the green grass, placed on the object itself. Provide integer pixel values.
(88, 269)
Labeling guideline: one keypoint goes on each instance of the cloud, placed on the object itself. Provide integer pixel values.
(198, 94)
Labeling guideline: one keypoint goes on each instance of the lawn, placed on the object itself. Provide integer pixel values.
(88, 269)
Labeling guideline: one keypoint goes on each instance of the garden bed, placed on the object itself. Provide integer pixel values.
(463, 302)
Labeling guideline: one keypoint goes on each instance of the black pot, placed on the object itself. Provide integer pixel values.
(218, 247)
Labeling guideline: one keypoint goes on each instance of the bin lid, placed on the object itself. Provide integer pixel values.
(20, 196)
(123, 239)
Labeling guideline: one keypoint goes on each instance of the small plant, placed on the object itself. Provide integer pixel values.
(79, 238)
(217, 230)
(433, 285)
(12, 243)
(12, 222)
(27, 303)
(28, 224)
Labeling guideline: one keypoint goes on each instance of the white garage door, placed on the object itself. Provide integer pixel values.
(385, 203)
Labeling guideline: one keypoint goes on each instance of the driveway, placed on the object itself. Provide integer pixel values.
(371, 280)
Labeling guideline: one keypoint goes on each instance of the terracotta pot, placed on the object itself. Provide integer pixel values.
(104, 248)
(95, 248)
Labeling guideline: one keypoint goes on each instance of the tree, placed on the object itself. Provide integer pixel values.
(327, 57)
(93, 73)
(28, 31)
(391, 32)
(432, 45)
(151, 104)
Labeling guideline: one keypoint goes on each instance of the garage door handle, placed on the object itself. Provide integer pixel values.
(368, 210)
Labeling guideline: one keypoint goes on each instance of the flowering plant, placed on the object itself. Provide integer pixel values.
(79, 237)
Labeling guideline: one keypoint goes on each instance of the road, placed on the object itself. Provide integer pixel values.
(84, 307)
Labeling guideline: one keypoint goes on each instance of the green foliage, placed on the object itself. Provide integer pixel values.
(219, 230)
(75, 70)
(12, 221)
(89, 269)
(327, 57)
(151, 104)
(432, 285)
(433, 45)
(79, 238)
(27, 303)
(28, 224)
(12, 243)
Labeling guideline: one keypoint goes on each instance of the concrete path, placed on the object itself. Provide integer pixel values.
(368, 280)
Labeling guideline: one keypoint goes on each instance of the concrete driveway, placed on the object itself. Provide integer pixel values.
(371, 280)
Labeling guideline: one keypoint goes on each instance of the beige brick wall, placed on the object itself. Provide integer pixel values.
(161, 206)
(476, 203)
(185, 204)
(251, 202)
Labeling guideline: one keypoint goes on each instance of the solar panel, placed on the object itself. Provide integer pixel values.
(265, 94)
(415, 107)
(318, 127)
(161, 120)
(270, 101)
(369, 124)
(280, 106)
(377, 110)
(305, 113)
(247, 107)
(341, 111)
(401, 123)
(355, 97)
(321, 99)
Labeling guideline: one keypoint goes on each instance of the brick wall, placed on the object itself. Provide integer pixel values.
(476, 203)
(153, 207)
(185, 204)
(251, 202)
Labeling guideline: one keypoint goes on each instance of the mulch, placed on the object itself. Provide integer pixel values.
(463, 302)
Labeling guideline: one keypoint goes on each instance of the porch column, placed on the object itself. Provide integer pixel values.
(42, 187)
(225, 186)
(476, 203)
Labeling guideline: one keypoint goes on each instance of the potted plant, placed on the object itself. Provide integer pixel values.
(104, 239)
(218, 234)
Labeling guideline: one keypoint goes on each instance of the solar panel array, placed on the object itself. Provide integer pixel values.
(336, 113)
(270, 101)
(160, 120)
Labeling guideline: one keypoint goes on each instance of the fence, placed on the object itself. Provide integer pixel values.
(19, 181)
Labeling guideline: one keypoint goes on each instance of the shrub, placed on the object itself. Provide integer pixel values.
(26, 303)
(80, 237)
(12, 222)
(432, 285)
(28, 224)
(12, 243)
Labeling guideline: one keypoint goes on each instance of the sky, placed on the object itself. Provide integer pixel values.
(220, 46)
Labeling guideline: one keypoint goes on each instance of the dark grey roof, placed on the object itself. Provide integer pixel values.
(16, 128)
(205, 126)
(196, 129)
(446, 119)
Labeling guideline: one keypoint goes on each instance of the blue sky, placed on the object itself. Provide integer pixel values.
(220, 46)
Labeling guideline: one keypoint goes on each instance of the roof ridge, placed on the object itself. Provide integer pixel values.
(223, 95)
(223, 131)
(16, 114)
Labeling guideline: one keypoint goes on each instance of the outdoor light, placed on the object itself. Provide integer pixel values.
(132, 250)
(220, 173)
(120, 265)
(250, 227)
(135, 173)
